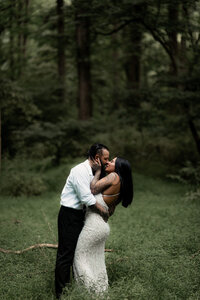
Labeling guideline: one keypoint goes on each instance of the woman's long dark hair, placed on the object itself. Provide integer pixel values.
(123, 169)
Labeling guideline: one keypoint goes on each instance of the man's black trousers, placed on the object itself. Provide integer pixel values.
(70, 224)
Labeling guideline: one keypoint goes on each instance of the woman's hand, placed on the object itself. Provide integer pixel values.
(96, 165)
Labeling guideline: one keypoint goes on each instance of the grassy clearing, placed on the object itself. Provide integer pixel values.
(153, 242)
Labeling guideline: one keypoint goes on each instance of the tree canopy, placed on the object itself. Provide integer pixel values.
(123, 72)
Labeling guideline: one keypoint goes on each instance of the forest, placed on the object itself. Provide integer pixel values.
(122, 73)
(125, 73)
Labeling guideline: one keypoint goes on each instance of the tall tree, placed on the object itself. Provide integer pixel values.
(25, 30)
(0, 140)
(134, 49)
(61, 50)
(11, 38)
(20, 17)
(173, 12)
(133, 62)
(180, 20)
(83, 60)
(115, 70)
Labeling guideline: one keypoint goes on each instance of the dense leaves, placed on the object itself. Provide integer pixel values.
(125, 68)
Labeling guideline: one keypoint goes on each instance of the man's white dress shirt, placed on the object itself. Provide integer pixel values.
(76, 191)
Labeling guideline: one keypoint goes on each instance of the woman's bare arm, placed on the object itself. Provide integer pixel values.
(98, 186)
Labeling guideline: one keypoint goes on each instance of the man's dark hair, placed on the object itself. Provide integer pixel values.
(96, 149)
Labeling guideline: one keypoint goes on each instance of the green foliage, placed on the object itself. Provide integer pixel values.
(24, 184)
(193, 195)
(190, 175)
(69, 138)
(147, 123)
(18, 178)
(18, 111)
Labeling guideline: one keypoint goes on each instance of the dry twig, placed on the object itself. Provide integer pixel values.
(55, 246)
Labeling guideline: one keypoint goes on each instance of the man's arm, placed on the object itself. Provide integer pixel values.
(81, 183)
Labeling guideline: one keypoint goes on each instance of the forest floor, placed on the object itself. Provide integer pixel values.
(155, 244)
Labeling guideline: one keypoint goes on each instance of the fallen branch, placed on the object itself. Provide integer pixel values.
(29, 248)
(55, 246)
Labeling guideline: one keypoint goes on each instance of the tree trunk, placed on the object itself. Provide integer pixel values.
(133, 62)
(115, 71)
(132, 65)
(0, 142)
(61, 50)
(194, 134)
(172, 36)
(22, 22)
(25, 30)
(20, 35)
(83, 64)
(11, 42)
(177, 54)
(180, 67)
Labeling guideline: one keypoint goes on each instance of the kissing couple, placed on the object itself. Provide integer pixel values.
(92, 191)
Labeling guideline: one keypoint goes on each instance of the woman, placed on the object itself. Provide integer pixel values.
(89, 260)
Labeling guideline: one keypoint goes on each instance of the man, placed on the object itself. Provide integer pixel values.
(75, 196)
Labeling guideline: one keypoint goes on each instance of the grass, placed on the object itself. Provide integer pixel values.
(153, 241)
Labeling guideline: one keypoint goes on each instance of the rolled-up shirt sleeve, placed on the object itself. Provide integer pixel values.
(81, 184)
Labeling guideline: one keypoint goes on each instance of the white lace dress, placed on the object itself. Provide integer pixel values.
(89, 259)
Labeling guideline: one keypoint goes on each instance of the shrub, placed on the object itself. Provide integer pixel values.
(189, 174)
(19, 178)
(193, 195)
(23, 184)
